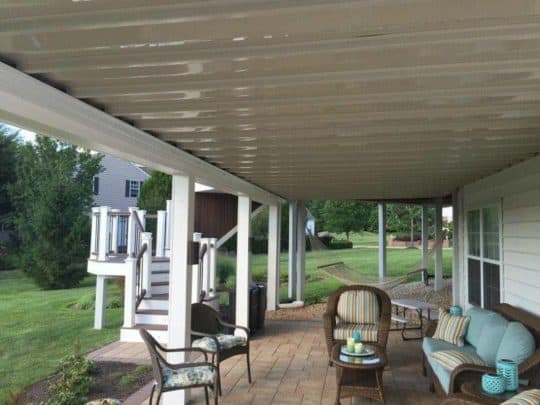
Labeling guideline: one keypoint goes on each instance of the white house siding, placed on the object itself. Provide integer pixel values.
(112, 183)
(517, 190)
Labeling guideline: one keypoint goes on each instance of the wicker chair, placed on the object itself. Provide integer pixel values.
(212, 334)
(174, 377)
(383, 323)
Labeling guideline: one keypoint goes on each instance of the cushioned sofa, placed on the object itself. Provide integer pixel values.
(506, 332)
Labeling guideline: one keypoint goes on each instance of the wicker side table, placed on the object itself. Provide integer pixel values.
(474, 391)
(359, 376)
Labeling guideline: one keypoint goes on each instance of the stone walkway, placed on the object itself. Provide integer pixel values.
(290, 366)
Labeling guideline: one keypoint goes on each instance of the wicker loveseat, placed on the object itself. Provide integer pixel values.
(488, 338)
(357, 307)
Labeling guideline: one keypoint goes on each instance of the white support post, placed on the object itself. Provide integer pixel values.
(243, 260)
(212, 256)
(142, 217)
(179, 326)
(94, 233)
(161, 233)
(103, 249)
(382, 240)
(131, 232)
(439, 249)
(114, 233)
(101, 302)
(206, 266)
(129, 292)
(274, 248)
(300, 251)
(293, 234)
(425, 239)
(456, 247)
(168, 228)
(146, 238)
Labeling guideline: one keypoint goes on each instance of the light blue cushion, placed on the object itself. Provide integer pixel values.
(430, 345)
(479, 317)
(490, 338)
(517, 343)
(188, 377)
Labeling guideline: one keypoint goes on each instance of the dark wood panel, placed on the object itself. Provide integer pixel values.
(216, 213)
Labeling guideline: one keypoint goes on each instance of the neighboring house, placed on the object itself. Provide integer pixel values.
(119, 184)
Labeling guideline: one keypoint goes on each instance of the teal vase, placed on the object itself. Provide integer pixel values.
(356, 336)
(509, 370)
(456, 310)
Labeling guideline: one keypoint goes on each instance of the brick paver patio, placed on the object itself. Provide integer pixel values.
(290, 366)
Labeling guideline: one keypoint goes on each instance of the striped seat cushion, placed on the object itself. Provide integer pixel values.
(451, 328)
(529, 397)
(368, 332)
(358, 306)
(453, 358)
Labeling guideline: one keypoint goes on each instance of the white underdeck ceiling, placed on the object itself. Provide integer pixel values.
(307, 99)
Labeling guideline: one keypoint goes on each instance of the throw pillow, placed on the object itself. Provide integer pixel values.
(451, 328)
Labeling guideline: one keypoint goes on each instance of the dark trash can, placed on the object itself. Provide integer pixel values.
(262, 305)
(254, 297)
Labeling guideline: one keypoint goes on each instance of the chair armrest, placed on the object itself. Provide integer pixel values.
(531, 364)
(233, 327)
(190, 365)
(467, 372)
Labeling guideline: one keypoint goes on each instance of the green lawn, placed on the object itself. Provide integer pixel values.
(37, 328)
(360, 239)
(365, 260)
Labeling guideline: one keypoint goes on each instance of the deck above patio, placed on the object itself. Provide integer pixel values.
(290, 366)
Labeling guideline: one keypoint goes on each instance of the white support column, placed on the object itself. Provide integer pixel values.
(243, 260)
(114, 232)
(274, 248)
(161, 233)
(456, 247)
(439, 249)
(293, 234)
(382, 240)
(425, 238)
(179, 326)
(300, 251)
(101, 302)
(129, 292)
(146, 238)
(205, 284)
(94, 234)
(168, 228)
(103, 250)
(212, 256)
(131, 232)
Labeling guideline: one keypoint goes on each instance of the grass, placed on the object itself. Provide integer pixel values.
(38, 328)
(360, 238)
(365, 260)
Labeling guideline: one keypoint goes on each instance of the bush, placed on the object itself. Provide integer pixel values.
(225, 268)
(88, 301)
(74, 379)
(406, 237)
(340, 244)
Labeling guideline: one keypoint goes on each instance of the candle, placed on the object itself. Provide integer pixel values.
(356, 336)
(358, 347)
(350, 344)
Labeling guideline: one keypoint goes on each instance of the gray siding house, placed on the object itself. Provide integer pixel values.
(119, 184)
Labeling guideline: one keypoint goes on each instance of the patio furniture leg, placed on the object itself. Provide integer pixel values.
(218, 379)
(206, 395)
(152, 394)
(248, 367)
(158, 397)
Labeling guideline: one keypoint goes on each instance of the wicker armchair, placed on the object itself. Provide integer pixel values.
(528, 369)
(173, 377)
(382, 325)
(215, 336)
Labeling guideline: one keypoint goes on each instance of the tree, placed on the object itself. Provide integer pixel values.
(155, 192)
(346, 216)
(52, 198)
(8, 156)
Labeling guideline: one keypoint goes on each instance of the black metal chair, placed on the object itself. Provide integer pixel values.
(215, 336)
(174, 377)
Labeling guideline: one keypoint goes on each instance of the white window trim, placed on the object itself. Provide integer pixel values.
(483, 260)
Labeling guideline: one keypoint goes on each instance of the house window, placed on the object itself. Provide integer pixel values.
(95, 185)
(133, 188)
(483, 256)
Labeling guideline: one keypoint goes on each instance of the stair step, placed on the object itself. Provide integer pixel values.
(151, 317)
(158, 283)
(153, 311)
(155, 302)
(160, 271)
(159, 332)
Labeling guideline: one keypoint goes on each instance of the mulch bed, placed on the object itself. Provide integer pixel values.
(107, 383)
